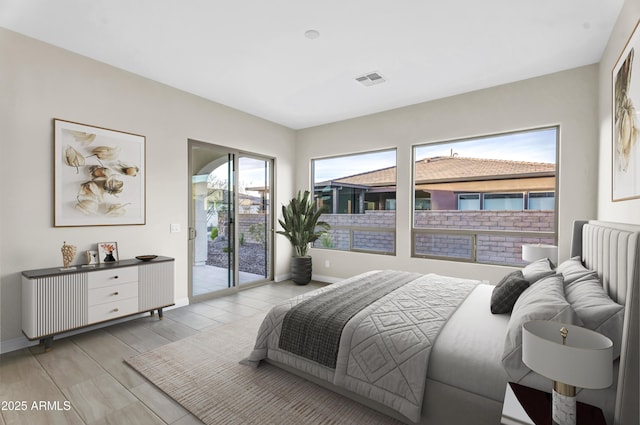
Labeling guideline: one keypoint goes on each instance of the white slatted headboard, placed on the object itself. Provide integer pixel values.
(613, 250)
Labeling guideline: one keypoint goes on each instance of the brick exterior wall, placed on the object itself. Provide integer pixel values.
(494, 249)
(530, 221)
(246, 221)
(341, 233)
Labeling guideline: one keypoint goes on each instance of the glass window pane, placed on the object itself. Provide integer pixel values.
(373, 241)
(444, 245)
(357, 194)
(493, 190)
(469, 202)
(542, 201)
(503, 202)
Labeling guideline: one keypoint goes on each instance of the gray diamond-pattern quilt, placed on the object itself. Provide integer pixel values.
(384, 349)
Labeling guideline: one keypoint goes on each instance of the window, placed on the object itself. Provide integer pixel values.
(423, 203)
(542, 201)
(469, 201)
(503, 201)
(487, 196)
(357, 195)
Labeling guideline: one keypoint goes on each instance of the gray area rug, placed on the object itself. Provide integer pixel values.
(202, 373)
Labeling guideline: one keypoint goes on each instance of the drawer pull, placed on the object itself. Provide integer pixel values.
(115, 277)
(115, 293)
(115, 310)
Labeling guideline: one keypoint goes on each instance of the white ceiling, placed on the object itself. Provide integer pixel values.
(252, 55)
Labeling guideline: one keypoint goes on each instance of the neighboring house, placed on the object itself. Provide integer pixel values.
(447, 183)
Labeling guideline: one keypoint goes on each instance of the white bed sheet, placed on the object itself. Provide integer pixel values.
(468, 352)
(468, 355)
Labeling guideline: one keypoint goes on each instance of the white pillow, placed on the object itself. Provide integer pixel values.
(537, 270)
(544, 300)
(597, 311)
(572, 270)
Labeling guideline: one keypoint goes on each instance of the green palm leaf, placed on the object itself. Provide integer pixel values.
(301, 223)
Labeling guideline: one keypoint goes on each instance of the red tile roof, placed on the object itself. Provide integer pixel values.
(441, 169)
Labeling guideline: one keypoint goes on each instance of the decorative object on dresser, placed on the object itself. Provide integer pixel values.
(56, 301)
(571, 356)
(68, 254)
(92, 258)
(99, 176)
(108, 252)
(534, 252)
(146, 257)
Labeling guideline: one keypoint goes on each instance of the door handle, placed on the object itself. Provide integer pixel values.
(192, 233)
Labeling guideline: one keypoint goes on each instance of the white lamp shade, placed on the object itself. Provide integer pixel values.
(533, 252)
(585, 361)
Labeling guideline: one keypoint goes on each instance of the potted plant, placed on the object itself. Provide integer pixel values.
(301, 225)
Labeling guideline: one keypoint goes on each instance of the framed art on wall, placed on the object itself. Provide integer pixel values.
(625, 181)
(99, 176)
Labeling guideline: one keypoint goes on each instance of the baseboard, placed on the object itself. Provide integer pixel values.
(182, 302)
(16, 344)
(316, 277)
(326, 279)
(281, 278)
(22, 341)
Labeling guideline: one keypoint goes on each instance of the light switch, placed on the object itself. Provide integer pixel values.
(175, 227)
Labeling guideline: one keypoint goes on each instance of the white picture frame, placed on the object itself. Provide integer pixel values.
(108, 252)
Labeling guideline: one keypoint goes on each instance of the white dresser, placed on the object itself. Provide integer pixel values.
(56, 301)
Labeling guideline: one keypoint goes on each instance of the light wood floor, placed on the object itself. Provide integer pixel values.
(84, 380)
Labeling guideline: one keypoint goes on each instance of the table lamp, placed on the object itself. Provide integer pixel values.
(533, 252)
(571, 357)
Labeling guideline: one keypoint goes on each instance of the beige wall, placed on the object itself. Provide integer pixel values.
(567, 99)
(621, 211)
(39, 82)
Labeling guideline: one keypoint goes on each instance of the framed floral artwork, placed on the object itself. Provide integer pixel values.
(99, 176)
(625, 181)
(107, 252)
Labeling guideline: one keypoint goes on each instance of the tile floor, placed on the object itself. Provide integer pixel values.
(210, 279)
(84, 380)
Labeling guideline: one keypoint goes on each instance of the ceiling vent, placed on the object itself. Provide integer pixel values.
(370, 79)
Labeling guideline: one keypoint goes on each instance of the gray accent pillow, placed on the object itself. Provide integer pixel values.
(597, 311)
(507, 291)
(544, 300)
(572, 270)
(537, 270)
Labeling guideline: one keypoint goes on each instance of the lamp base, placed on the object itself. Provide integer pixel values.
(564, 404)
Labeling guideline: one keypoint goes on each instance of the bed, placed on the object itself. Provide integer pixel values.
(427, 349)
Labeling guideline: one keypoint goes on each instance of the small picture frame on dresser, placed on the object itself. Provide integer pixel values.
(91, 258)
(107, 252)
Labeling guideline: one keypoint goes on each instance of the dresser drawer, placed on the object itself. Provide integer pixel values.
(113, 310)
(112, 277)
(107, 294)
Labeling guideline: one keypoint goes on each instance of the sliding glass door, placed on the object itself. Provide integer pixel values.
(230, 233)
(254, 219)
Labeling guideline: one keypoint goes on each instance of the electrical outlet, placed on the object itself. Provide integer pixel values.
(175, 227)
(327, 263)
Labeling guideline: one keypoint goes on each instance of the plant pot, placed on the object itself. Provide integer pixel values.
(301, 270)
